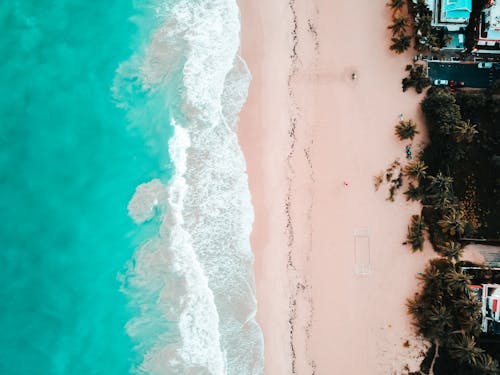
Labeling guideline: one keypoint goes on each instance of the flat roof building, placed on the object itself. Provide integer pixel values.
(492, 22)
(451, 14)
(489, 29)
(455, 11)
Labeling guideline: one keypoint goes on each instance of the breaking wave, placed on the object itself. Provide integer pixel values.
(191, 280)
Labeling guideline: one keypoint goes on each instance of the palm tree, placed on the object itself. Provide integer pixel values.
(433, 275)
(468, 313)
(440, 191)
(406, 83)
(417, 78)
(440, 321)
(423, 25)
(465, 131)
(453, 222)
(421, 8)
(440, 182)
(451, 249)
(415, 235)
(463, 348)
(486, 364)
(400, 43)
(421, 80)
(399, 24)
(406, 129)
(414, 193)
(444, 201)
(396, 4)
(416, 169)
(456, 282)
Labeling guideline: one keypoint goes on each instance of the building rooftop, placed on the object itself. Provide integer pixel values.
(455, 11)
(492, 20)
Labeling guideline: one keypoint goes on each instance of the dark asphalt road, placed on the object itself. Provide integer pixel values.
(467, 72)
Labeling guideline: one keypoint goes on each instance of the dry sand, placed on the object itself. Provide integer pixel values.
(307, 128)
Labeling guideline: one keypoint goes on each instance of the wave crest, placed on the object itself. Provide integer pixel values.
(192, 281)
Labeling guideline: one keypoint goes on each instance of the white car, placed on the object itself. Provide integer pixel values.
(441, 82)
(485, 65)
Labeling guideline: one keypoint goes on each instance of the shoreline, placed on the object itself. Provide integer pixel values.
(306, 130)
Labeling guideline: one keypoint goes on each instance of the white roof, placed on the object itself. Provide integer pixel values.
(492, 18)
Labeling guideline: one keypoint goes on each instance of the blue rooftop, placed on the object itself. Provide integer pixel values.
(457, 9)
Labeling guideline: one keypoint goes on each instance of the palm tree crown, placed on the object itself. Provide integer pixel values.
(399, 24)
(396, 4)
(453, 222)
(465, 131)
(406, 129)
(414, 193)
(400, 43)
(451, 250)
(464, 349)
(416, 169)
(415, 236)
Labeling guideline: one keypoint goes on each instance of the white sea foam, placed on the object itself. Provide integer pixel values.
(147, 198)
(193, 281)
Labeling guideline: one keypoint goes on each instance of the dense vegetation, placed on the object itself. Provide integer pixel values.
(446, 316)
(401, 41)
(417, 78)
(462, 194)
(427, 38)
(456, 177)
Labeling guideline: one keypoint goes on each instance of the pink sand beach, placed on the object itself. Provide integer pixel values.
(332, 274)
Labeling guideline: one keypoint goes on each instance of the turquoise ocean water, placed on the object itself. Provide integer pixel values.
(98, 102)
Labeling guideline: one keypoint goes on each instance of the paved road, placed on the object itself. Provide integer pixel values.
(467, 72)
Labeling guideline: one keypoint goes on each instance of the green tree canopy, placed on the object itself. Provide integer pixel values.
(417, 77)
(399, 24)
(396, 4)
(414, 193)
(415, 236)
(441, 111)
(400, 43)
(445, 315)
(406, 129)
(453, 222)
(416, 170)
(464, 131)
(451, 249)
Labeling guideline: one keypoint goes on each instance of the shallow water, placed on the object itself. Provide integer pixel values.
(96, 103)
(69, 164)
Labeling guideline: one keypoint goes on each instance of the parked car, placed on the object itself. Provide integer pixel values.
(485, 65)
(441, 82)
(457, 83)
